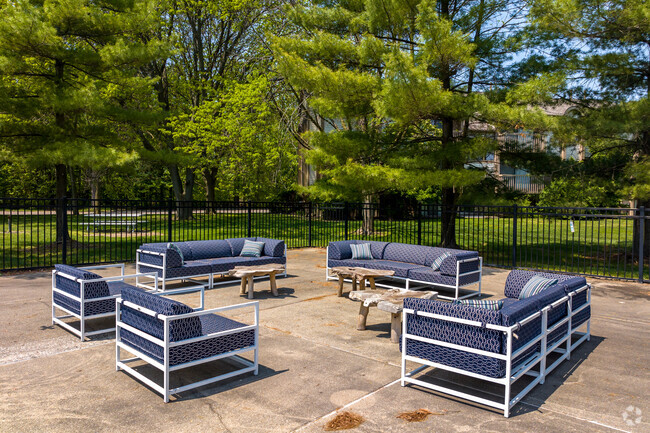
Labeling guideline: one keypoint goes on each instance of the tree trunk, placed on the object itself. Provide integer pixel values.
(74, 195)
(646, 237)
(61, 187)
(210, 175)
(368, 217)
(448, 234)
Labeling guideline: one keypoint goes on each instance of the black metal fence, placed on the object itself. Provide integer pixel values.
(607, 242)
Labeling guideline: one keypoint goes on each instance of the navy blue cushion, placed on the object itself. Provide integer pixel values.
(340, 250)
(174, 260)
(401, 269)
(272, 247)
(407, 253)
(209, 249)
(97, 289)
(518, 278)
(428, 275)
(236, 245)
(178, 330)
(224, 264)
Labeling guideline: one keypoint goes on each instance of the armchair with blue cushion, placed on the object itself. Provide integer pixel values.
(540, 316)
(85, 295)
(171, 336)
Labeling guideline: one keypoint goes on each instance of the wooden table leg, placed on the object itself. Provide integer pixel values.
(395, 327)
(363, 316)
(362, 284)
(371, 280)
(250, 287)
(274, 287)
(341, 285)
(354, 283)
(242, 290)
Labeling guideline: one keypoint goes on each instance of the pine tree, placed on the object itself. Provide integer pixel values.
(68, 79)
(399, 83)
(600, 52)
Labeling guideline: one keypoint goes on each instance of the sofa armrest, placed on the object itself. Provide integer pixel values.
(340, 250)
(160, 257)
(464, 261)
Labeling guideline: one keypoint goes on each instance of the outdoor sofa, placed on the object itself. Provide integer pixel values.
(498, 346)
(412, 264)
(171, 336)
(84, 295)
(204, 258)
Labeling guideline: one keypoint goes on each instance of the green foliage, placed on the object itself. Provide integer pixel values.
(574, 192)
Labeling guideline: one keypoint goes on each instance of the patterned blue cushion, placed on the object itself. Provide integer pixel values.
(272, 247)
(361, 252)
(406, 253)
(224, 264)
(340, 250)
(401, 269)
(518, 278)
(178, 251)
(252, 249)
(438, 260)
(535, 286)
(210, 323)
(236, 245)
(97, 289)
(425, 273)
(209, 249)
(490, 304)
(178, 329)
(174, 259)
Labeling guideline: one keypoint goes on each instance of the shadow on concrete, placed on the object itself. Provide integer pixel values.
(494, 392)
(198, 373)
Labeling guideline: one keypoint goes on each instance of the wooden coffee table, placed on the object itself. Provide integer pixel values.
(248, 273)
(359, 274)
(391, 301)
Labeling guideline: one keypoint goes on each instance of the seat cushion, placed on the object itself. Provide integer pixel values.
(426, 274)
(401, 269)
(189, 269)
(224, 264)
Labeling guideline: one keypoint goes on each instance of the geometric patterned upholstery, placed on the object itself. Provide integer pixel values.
(178, 330)
(518, 278)
(272, 247)
(511, 313)
(339, 254)
(209, 249)
(401, 269)
(236, 245)
(427, 274)
(97, 289)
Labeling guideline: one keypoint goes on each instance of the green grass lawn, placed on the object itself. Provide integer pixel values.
(595, 246)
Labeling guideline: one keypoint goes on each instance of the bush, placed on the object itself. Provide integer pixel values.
(567, 192)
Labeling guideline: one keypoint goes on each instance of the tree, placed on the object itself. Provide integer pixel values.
(399, 83)
(68, 69)
(601, 50)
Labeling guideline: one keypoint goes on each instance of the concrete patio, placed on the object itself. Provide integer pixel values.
(313, 362)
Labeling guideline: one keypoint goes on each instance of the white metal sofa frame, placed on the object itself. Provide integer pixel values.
(166, 344)
(81, 332)
(408, 281)
(164, 279)
(511, 376)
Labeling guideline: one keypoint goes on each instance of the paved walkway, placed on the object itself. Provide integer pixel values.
(313, 363)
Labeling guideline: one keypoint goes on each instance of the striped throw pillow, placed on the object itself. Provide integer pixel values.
(438, 261)
(361, 251)
(252, 249)
(536, 285)
(480, 303)
(174, 247)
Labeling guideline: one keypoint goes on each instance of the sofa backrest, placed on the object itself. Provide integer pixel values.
(466, 335)
(97, 289)
(173, 258)
(178, 330)
(207, 249)
(407, 253)
(340, 250)
(236, 245)
(518, 278)
(272, 247)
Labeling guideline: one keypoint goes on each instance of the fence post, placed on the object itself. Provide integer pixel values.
(250, 219)
(64, 229)
(310, 223)
(641, 240)
(418, 209)
(170, 209)
(345, 216)
(514, 236)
